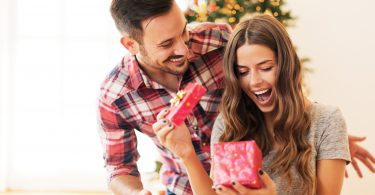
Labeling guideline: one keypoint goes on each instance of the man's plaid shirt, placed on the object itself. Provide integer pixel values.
(130, 100)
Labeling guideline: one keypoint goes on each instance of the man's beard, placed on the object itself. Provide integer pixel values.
(154, 65)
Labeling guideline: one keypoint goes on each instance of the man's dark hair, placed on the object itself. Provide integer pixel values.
(128, 14)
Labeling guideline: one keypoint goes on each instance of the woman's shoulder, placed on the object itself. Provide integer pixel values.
(326, 119)
(323, 113)
(329, 132)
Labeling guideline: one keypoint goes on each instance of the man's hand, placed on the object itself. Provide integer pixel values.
(145, 192)
(128, 184)
(360, 153)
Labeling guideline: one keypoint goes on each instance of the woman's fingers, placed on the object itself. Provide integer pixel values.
(266, 179)
(163, 133)
(162, 114)
(161, 121)
(159, 125)
(239, 188)
(222, 190)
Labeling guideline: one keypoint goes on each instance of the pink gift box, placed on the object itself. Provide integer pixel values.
(184, 102)
(237, 161)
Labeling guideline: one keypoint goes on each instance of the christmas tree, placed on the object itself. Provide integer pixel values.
(231, 11)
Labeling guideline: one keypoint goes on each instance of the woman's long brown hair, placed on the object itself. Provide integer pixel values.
(291, 123)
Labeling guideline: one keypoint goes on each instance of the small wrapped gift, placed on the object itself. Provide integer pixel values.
(237, 161)
(184, 102)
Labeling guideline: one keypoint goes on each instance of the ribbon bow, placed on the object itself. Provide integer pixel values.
(176, 100)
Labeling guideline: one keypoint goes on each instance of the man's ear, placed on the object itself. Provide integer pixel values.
(130, 44)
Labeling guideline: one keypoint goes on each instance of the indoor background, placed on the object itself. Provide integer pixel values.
(55, 53)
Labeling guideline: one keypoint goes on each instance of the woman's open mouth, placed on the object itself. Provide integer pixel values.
(263, 96)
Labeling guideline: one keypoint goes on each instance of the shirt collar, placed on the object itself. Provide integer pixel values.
(138, 77)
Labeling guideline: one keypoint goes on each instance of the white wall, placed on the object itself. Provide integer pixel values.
(53, 56)
(4, 91)
(53, 80)
(339, 38)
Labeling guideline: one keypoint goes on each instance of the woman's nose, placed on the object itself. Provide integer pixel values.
(255, 78)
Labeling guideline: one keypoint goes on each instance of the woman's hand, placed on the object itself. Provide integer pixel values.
(238, 189)
(176, 139)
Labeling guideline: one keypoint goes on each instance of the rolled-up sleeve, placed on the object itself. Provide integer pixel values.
(119, 142)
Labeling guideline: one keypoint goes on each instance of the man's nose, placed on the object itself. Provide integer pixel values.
(181, 48)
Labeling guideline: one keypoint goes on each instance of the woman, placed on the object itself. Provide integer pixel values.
(304, 144)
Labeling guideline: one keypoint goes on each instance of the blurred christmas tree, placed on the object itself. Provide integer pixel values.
(231, 11)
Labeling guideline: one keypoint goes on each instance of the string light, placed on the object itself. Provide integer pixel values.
(269, 12)
(231, 19)
(275, 2)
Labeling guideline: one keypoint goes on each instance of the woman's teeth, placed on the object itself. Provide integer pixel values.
(261, 92)
(263, 95)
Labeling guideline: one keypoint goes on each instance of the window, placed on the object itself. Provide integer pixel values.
(60, 51)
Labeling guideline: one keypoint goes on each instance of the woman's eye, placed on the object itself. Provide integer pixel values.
(243, 73)
(267, 68)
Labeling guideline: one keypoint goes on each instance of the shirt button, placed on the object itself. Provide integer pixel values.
(195, 127)
(204, 143)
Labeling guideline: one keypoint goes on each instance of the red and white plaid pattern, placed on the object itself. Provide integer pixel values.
(130, 101)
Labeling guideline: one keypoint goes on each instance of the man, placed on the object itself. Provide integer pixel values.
(165, 55)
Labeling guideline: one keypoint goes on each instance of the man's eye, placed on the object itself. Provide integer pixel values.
(166, 45)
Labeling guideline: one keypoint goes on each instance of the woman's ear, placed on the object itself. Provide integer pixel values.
(130, 44)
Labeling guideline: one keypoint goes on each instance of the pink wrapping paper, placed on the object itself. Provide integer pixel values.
(237, 161)
(184, 102)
